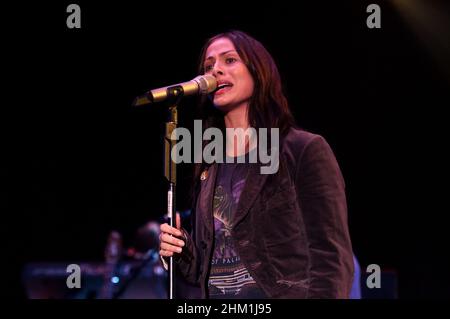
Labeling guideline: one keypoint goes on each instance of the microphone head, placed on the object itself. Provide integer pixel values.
(206, 83)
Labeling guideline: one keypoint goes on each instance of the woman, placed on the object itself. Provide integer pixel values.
(281, 235)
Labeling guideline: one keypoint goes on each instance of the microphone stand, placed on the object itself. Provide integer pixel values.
(174, 93)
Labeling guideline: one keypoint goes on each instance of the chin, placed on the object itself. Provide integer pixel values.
(225, 108)
(222, 105)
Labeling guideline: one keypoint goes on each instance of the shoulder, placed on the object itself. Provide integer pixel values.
(299, 146)
(296, 141)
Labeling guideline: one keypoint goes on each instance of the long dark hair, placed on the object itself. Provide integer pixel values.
(268, 106)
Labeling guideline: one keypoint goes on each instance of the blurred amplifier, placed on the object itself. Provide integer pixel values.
(128, 280)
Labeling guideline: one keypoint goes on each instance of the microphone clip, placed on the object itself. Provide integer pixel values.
(174, 95)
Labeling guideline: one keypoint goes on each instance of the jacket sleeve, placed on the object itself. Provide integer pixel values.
(188, 261)
(321, 192)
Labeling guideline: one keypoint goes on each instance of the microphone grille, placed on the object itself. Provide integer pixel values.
(206, 83)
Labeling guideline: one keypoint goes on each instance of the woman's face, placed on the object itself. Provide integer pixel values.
(234, 81)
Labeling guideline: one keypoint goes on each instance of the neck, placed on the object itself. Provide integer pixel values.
(237, 118)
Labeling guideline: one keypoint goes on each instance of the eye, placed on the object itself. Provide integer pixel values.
(208, 67)
(230, 60)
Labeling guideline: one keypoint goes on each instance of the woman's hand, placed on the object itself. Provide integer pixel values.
(171, 239)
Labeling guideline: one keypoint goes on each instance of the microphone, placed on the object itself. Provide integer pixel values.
(202, 84)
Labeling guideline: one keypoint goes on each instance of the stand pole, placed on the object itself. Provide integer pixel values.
(170, 173)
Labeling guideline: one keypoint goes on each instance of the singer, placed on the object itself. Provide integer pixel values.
(281, 235)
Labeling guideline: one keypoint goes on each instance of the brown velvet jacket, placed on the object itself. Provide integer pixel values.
(290, 228)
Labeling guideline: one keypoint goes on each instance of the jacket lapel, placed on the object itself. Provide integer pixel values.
(254, 183)
(207, 189)
(253, 186)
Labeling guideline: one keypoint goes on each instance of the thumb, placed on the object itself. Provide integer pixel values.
(178, 221)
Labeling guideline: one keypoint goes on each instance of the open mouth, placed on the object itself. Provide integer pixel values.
(222, 88)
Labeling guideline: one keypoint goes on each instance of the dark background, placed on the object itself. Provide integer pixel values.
(79, 161)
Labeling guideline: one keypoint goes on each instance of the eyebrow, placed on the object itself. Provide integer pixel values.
(221, 54)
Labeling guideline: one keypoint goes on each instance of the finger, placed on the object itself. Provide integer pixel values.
(166, 228)
(165, 253)
(168, 247)
(166, 238)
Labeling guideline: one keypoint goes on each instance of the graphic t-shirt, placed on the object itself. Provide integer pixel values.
(228, 277)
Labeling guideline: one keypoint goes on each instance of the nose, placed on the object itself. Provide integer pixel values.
(217, 70)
